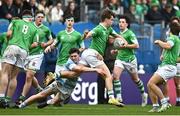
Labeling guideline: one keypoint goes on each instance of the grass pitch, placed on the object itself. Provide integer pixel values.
(82, 109)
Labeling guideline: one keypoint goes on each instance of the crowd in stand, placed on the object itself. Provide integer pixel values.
(139, 11)
(53, 9)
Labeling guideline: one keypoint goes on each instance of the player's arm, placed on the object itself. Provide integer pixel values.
(134, 41)
(10, 30)
(165, 45)
(50, 40)
(178, 60)
(51, 46)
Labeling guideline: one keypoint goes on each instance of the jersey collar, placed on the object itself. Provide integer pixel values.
(103, 26)
(69, 32)
(38, 26)
(124, 31)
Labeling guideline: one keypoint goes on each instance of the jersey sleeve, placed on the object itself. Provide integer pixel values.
(70, 64)
(133, 38)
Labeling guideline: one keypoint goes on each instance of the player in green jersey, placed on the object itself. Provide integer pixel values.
(3, 42)
(176, 79)
(21, 35)
(166, 70)
(34, 60)
(100, 35)
(126, 59)
(68, 38)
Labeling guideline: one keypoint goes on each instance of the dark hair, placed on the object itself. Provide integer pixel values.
(126, 18)
(174, 28)
(26, 12)
(106, 13)
(74, 50)
(174, 18)
(39, 11)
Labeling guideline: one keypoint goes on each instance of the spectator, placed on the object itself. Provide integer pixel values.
(18, 7)
(57, 12)
(131, 13)
(43, 7)
(167, 13)
(176, 5)
(72, 10)
(7, 10)
(154, 15)
(116, 7)
(31, 5)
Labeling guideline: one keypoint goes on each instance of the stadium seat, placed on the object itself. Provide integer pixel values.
(4, 25)
(81, 26)
(157, 29)
(56, 26)
(144, 44)
(46, 23)
(136, 28)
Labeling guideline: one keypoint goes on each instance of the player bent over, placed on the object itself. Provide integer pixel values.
(62, 87)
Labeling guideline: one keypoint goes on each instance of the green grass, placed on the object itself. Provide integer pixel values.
(82, 109)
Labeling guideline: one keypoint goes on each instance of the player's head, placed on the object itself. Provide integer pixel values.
(175, 28)
(175, 19)
(123, 22)
(69, 21)
(39, 17)
(74, 54)
(27, 15)
(107, 16)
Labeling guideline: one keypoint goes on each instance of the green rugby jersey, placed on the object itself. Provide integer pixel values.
(170, 55)
(4, 42)
(100, 35)
(44, 34)
(23, 34)
(67, 40)
(127, 54)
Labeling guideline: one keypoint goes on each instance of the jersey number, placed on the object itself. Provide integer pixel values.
(25, 29)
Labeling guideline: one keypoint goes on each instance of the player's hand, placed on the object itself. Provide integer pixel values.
(156, 41)
(48, 49)
(99, 57)
(85, 33)
(34, 44)
(43, 45)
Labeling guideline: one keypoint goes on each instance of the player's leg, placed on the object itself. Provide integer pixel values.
(132, 70)
(36, 85)
(165, 91)
(177, 84)
(155, 90)
(89, 58)
(43, 94)
(12, 83)
(154, 100)
(6, 72)
(28, 82)
(118, 69)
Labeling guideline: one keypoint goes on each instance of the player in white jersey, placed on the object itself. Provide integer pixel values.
(62, 87)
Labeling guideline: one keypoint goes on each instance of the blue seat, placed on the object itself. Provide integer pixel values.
(56, 26)
(46, 23)
(144, 44)
(157, 28)
(136, 28)
(82, 26)
(3, 25)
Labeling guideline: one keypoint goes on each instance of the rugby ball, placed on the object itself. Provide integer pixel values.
(118, 43)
